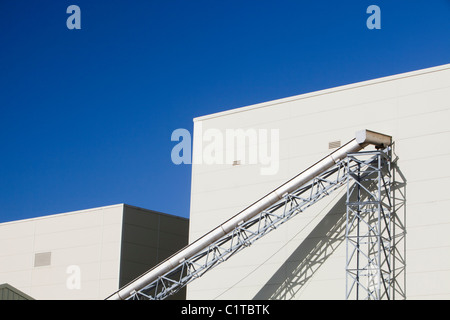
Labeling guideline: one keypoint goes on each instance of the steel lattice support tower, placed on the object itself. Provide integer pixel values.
(369, 226)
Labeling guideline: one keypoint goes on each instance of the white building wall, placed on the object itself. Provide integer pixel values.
(89, 240)
(310, 250)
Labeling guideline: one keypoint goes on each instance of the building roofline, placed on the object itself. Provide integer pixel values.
(326, 91)
(16, 291)
(51, 216)
(154, 211)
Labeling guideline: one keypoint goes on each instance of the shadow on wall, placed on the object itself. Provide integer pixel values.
(398, 283)
(297, 270)
(326, 237)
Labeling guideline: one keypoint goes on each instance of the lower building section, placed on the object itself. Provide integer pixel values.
(86, 254)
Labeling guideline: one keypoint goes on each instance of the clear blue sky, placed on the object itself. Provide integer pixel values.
(86, 115)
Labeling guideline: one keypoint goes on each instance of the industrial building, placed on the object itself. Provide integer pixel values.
(306, 257)
(86, 254)
(280, 191)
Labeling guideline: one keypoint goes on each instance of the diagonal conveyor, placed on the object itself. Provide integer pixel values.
(184, 266)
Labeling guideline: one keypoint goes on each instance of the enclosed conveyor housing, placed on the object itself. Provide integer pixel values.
(250, 224)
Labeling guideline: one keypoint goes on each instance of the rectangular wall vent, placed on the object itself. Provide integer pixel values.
(334, 144)
(42, 259)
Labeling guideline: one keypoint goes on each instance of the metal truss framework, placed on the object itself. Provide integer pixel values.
(369, 226)
(248, 232)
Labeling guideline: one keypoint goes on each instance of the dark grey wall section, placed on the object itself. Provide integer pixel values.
(149, 237)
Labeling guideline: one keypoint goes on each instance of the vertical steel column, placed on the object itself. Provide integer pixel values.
(368, 230)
